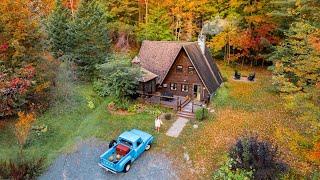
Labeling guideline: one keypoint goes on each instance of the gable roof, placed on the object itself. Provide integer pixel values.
(158, 57)
(206, 70)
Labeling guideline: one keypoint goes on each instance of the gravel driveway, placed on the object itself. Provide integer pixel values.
(83, 164)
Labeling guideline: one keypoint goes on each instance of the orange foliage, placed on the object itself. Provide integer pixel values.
(314, 40)
(23, 126)
(315, 153)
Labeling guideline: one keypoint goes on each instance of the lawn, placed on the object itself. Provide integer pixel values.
(241, 108)
(71, 120)
(244, 108)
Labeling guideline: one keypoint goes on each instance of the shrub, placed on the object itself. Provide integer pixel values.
(117, 79)
(250, 153)
(226, 172)
(201, 114)
(167, 116)
(21, 169)
(133, 108)
(222, 96)
(122, 104)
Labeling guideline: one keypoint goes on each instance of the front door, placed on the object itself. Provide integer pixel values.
(196, 91)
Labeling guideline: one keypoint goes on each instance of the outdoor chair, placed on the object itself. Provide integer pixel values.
(251, 76)
(237, 75)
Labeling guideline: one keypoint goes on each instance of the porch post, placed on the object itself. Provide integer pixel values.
(178, 103)
(192, 106)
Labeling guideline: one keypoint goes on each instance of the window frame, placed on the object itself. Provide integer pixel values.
(191, 70)
(173, 86)
(179, 69)
(184, 89)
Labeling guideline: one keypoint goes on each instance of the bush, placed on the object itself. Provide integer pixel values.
(226, 172)
(122, 104)
(117, 78)
(167, 116)
(133, 108)
(21, 169)
(222, 96)
(250, 153)
(202, 114)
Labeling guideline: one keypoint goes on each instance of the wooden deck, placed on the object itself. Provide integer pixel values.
(178, 103)
(166, 101)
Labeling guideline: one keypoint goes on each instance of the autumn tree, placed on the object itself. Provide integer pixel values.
(22, 128)
(21, 58)
(297, 69)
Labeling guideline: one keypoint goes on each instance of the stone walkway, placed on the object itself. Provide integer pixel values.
(177, 127)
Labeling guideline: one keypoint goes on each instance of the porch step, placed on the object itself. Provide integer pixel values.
(184, 114)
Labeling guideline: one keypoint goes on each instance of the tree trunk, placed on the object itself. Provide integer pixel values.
(72, 8)
(242, 62)
(146, 2)
(139, 11)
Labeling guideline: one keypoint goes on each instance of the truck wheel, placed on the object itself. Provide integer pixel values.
(127, 167)
(148, 147)
(112, 143)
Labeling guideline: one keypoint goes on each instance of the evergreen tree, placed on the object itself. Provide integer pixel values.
(297, 70)
(157, 27)
(58, 28)
(90, 39)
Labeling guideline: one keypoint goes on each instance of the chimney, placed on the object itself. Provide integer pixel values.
(202, 42)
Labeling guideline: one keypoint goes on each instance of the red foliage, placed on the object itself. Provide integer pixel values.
(14, 89)
(4, 47)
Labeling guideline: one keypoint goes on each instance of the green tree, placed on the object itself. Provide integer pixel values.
(117, 79)
(157, 27)
(90, 40)
(58, 28)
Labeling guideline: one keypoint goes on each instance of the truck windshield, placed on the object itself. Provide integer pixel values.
(125, 142)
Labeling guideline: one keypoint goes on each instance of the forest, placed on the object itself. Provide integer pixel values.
(51, 49)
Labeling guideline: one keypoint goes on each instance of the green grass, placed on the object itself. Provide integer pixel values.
(70, 120)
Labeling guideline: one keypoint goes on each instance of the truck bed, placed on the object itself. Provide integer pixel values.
(106, 163)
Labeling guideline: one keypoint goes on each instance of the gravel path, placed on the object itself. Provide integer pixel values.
(83, 164)
(177, 127)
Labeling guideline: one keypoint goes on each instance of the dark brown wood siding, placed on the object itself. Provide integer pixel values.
(147, 87)
(183, 78)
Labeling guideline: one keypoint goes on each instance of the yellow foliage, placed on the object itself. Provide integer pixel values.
(23, 126)
(42, 86)
(259, 112)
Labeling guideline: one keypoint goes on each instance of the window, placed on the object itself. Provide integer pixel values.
(173, 86)
(139, 142)
(190, 69)
(165, 85)
(125, 142)
(184, 88)
(179, 69)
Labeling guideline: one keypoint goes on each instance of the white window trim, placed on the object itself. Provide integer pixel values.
(182, 89)
(172, 86)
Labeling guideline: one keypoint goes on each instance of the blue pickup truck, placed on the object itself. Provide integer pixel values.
(125, 150)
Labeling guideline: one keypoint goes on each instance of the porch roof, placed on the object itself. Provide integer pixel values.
(147, 75)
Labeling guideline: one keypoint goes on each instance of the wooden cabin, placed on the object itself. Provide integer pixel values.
(177, 68)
